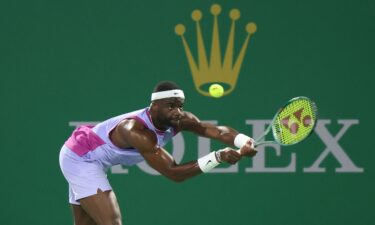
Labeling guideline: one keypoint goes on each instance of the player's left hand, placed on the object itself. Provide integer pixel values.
(229, 155)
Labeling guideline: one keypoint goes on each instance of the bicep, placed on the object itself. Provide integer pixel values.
(204, 129)
(224, 134)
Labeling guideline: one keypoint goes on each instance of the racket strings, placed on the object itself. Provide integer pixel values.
(295, 121)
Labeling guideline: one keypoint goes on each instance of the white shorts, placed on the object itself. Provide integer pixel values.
(84, 175)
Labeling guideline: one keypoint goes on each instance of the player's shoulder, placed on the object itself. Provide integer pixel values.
(136, 127)
(132, 124)
(189, 116)
(136, 134)
(188, 121)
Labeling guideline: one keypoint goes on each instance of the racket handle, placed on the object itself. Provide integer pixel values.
(264, 142)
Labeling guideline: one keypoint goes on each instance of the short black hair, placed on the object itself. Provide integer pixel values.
(166, 86)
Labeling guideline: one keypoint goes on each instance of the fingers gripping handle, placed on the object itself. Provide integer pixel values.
(241, 139)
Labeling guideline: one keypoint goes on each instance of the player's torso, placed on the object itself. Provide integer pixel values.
(94, 143)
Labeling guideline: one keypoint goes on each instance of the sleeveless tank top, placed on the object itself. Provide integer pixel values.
(93, 142)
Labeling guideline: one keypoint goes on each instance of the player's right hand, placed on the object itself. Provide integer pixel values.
(248, 149)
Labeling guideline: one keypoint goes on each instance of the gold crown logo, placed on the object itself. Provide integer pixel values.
(226, 72)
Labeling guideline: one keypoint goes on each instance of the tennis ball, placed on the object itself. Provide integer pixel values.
(216, 90)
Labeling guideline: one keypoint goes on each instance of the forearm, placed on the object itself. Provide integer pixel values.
(164, 163)
(228, 136)
(223, 134)
(206, 163)
(203, 164)
(179, 173)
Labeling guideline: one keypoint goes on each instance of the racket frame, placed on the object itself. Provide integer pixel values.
(260, 140)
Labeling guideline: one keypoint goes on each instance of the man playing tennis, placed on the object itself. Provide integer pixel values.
(131, 138)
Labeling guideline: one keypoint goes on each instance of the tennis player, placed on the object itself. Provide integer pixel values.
(131, 138)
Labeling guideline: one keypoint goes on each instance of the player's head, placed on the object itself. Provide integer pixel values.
(167, 102)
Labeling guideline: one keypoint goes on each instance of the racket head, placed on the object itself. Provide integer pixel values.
(295, 121)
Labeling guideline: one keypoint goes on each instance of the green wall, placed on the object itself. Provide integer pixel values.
(73, 61)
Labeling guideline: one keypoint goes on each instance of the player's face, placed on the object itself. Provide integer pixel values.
(170, 111)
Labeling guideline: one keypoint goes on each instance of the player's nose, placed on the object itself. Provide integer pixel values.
(177, 112)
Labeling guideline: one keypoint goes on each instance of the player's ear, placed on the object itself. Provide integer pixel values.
(154, 105)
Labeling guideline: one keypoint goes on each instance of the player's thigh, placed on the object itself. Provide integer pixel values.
(81, 217)
(102, 207)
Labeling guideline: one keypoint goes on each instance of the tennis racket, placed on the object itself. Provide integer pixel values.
(292, 123)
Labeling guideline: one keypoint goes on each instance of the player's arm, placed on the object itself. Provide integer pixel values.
(134, 134)
(224, 134)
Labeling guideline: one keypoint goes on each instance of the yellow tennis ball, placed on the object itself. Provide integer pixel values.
(216, 90)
